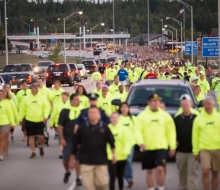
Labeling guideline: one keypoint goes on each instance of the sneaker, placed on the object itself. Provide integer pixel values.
(130, 183)
(60, 156)
(41, 152)
(56, 136)
(33, 155)
(12, 139)
(1, 158)
(66, 177)
(78, 182)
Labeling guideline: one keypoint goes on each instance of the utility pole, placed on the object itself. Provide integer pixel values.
(6, 35)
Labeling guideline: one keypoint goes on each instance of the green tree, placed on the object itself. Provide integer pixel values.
(56, 55)
(141, 41)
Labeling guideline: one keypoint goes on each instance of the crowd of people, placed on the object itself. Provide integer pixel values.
(98, 139)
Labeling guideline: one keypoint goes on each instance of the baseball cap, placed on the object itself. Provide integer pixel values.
(93, 96)
(194, 78)
(185, 97)
(105, 86)
(154, 97)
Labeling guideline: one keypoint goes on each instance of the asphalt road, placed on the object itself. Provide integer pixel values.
(18, 172)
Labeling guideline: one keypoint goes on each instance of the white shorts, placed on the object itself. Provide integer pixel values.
(123, 82)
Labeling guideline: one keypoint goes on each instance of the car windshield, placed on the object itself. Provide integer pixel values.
(110, 60)
(170, 95)
(43, 64)
(102, 60)
(72, 66)
(88, 63)
(80, 66)
(17, 68)
(57, 68)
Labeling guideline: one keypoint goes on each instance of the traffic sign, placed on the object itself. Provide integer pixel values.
(188, 48)
(210, 47)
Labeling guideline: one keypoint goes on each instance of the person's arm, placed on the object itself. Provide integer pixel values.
(61, 123)
(53, 117)
(9, 114)
(196, 137)
(46, 109)
(105, 118)
(22, 111)
(171, 134)
(92, 77)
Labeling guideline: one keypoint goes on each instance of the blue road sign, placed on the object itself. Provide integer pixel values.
(188, 48)
(210, 47)
(52, 40)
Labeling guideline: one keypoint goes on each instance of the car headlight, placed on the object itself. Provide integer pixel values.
(36, 69)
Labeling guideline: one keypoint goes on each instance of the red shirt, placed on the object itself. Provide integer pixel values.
(151, 76)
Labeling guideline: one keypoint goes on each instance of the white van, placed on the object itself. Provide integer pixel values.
(100, 47)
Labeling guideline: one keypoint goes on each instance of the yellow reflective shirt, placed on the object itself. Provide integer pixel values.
(106, 103)
(56, 95)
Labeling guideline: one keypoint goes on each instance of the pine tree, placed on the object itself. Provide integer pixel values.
(141, 41)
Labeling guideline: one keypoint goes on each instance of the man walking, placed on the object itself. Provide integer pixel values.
(35, 110)
(92, 136)
(206, 143)
(158, 134)
(186, 164)
(123, 75)
(66, 123)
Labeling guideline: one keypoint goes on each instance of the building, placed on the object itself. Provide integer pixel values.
(213, 32)
(155, 39)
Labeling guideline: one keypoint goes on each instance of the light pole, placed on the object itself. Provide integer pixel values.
(162, 32)
(148, 24)
(91, 29)
(50, 25)
(113, 4)
(105, 33)
(190, 8)
(172, 38)
(20, 21)
(6, 35)
(176, 35)
(64, 31)
(181, 25)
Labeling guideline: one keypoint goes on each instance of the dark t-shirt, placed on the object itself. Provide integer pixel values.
(68, 125)
(92, 141)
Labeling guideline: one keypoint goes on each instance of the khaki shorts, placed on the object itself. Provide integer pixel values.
(4, 128)
(210, 159)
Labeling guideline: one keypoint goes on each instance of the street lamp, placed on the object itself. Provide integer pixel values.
(20, 21)
(50, 25)
(172, 37)
(162, 32)
(181, 25)
(64, 28)
(6, 35)
(112, 30)
(91, 29)
(190, 8)
(176, 34)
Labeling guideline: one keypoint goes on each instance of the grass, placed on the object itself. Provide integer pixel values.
(23, 58)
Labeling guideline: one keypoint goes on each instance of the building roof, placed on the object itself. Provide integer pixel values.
(213, 32)
(145, 37)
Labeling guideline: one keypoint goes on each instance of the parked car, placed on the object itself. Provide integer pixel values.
(43, 55)
(90, 65)
(83, 71)
(41, 68)
(15, 73)
(61, 72)
(76, 72)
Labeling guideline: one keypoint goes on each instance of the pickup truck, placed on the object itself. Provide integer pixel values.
(15, 73)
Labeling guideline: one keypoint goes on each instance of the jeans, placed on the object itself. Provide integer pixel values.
(128, 174)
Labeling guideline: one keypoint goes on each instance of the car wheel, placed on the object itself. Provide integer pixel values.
(85, 78)
(71, 83)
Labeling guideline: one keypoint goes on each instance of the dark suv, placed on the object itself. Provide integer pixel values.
(90, 65)
(61, 72)
(76, 72)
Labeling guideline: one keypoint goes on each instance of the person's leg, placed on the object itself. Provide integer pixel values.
(12, 134)
(181, 161)
(205, 157)
(112, 175)
(101, 177)
(120, 165)
(66, 156)
(32, 143)
(160, 176)
(23, 128)
(192, 166)
(215, 180)
(128, 173)
(87, 172)
(150, 179)
(77, 167)
(41, 141)
(2, 144)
